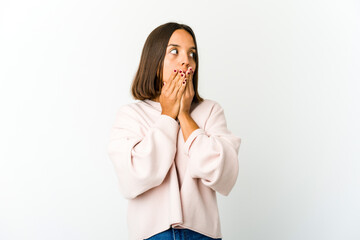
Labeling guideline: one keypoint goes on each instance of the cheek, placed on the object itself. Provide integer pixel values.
(167, 70)
(193, 65)
(166, 76)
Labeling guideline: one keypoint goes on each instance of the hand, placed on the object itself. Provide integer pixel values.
(171, 94)
(189, 93)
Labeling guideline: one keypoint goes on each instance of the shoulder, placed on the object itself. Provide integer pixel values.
(208, 105)
(207, 112)
(131, 110)
(129, 106)
(209, 115)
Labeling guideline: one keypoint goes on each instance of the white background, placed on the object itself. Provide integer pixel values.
(286, 73)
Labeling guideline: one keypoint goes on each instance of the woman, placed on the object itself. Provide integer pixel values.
(171, 177)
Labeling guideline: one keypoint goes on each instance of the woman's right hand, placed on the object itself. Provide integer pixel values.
(171, 93)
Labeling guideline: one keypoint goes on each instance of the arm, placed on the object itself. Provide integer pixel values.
(141, 159)
(212, 152)
(188, 125)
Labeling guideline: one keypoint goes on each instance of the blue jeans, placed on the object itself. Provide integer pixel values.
(180, 234)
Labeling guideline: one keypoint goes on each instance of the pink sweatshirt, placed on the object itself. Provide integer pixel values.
(169, 182)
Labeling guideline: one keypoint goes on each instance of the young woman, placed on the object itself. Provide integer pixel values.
(171, 149)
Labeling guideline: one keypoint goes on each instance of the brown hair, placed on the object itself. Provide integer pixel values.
(147, 83)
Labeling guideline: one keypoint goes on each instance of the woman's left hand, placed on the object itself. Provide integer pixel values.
(188, 94)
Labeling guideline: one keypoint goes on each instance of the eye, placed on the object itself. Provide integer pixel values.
(192, 54)
(173, 50)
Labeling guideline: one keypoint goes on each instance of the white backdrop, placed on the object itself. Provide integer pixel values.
(286, 73)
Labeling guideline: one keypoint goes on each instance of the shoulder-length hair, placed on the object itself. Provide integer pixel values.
(147, 83)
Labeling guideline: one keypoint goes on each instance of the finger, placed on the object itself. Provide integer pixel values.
(182, 88)
(179, 82)
(173, 83)
(190, 70)
(181, 79)
(171, 78)
(189, 75)
(173, 75)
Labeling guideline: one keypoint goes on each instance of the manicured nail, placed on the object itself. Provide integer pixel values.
(174, 70)
(182, 74)
(185, 79)
(180, 71)
(184, 82)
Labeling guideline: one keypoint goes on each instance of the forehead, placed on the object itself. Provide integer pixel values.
(181, 37)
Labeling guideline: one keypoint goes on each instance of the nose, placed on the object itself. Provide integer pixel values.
(185, 61)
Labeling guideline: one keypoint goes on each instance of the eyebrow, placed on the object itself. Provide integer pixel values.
(175, 45)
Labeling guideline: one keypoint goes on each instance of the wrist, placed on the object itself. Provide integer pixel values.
(183, 115)
(168, 114)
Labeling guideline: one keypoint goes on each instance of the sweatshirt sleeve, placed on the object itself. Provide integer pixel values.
(141, 157)
(213, 153)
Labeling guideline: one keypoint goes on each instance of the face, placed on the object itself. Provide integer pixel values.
(180, 53)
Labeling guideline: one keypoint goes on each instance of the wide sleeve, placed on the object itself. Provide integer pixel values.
(213, 153)
(141, 158)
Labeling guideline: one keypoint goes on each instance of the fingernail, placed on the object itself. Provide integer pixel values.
(180, 71)
(174, 70)
(185, 79)
(182, 74)
(184, 82)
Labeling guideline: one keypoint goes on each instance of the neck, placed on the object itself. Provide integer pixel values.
(155, 99)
